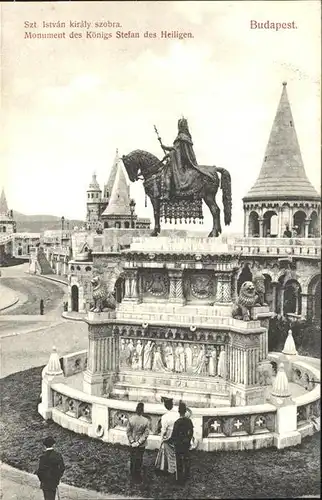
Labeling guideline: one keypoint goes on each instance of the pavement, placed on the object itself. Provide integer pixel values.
(19, 485)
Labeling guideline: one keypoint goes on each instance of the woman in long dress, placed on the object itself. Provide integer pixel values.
(166, 457)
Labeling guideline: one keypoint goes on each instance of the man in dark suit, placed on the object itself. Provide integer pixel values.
(181, 436)
(137, 433)
(50, 470)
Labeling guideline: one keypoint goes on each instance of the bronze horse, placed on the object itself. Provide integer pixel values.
(150, 167)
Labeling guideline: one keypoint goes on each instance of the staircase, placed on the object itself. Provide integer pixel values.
(43, 262)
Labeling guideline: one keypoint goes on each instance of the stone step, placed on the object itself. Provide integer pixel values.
(195, 398)
(184, 382)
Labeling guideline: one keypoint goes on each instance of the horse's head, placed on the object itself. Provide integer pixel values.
(140, 162)
(131, 166)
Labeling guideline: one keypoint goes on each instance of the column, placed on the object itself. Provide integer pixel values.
(261, 228)
(282, 301)
(223, 292)
(131, 286)
(245, 368)
(274, 285)
(246, 220)
(175, 287)
(306, 228)
(304, 301)
(280, 227)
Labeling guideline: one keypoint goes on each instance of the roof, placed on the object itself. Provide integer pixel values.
(110, 183)
(282, 175)
(94, 185)
(119, 202)
(3, 204)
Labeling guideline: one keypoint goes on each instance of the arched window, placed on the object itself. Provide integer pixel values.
(298, 223)
(270, 224)
(88, 268)
(105, 225)
(245, 275)
(314, 226)
(292, 298)
(117, 225)
(126, 224)
(253, 224)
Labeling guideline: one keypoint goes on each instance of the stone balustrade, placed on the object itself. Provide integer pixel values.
(304, 247)
(222, 428)
(176, 245)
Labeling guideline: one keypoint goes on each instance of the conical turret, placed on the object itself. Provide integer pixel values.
(282, 175)
(3, 204)
(119, 203)
(110, 183)
(282, 201)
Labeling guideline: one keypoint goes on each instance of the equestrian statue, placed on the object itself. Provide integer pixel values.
(176, 185)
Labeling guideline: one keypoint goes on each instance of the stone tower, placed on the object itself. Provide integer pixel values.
(7, 222)
(282, 197)
(94, 198)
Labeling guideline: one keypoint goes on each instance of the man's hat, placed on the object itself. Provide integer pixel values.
(166, 400)
(49, 441)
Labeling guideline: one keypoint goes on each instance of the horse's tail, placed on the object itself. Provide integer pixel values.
(225, 185)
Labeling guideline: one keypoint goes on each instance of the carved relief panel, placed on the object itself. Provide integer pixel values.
(154, 284)
(199, 287)
(172, 357)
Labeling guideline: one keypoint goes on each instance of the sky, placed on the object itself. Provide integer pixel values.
(67, 104)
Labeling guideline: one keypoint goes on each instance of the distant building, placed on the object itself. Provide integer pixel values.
(113, 208)
(282, 197)
(7, 222)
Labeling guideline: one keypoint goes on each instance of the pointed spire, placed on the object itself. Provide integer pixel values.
(280, 387)
(3, 203)
(289, 346)
(111, 180)
(119, 203)
(282, 175)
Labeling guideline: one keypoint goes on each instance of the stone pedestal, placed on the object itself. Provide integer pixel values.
(286, 425)
(103, 353)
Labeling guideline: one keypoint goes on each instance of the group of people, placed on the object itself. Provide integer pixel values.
(172, 458)
(176, 435)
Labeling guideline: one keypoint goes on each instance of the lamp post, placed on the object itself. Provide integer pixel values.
(132, 208)
(62, 229)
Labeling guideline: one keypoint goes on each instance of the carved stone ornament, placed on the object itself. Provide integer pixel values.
(201, 286)
(156, 284)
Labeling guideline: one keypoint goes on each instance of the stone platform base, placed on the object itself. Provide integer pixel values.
(150, 387)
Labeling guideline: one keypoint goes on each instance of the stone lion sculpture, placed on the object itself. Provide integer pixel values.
(247, 299)
(259, 283)
(103, 299)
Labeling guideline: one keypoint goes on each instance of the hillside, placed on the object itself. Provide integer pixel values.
(40, 223)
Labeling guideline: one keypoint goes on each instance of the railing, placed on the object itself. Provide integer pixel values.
(278, 247)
